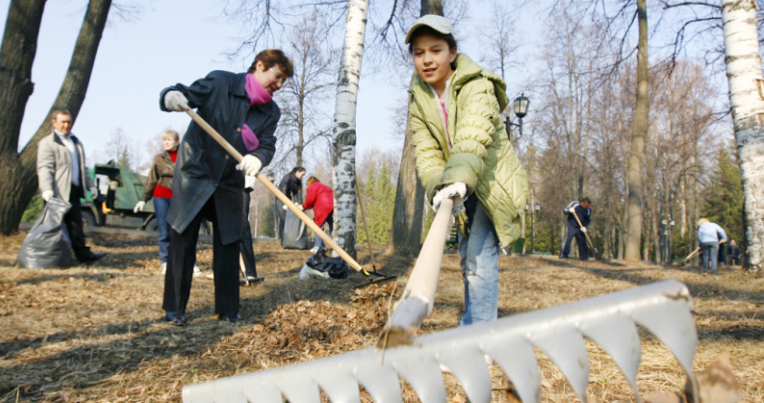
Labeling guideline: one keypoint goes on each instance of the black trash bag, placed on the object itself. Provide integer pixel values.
(47, 244)
(335, 266)
(295, 236)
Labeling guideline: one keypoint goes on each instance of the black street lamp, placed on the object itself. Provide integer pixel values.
(527, 211)
(666, 240)
(536, 207)
(671, 241)
(521, 109)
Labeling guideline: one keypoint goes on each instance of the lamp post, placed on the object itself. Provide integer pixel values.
(521, 109)
(536, 207)
(527, 211)
(671, 241)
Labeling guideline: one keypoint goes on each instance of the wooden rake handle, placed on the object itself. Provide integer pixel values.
(270, 186)
(696, 251)
(591, 244)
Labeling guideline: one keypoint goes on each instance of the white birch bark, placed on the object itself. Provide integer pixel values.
(747, 101)
(344, 126)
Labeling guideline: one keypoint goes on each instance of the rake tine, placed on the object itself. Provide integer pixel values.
(566, 348)
(618, 336)
(663, 308)
(520, 365)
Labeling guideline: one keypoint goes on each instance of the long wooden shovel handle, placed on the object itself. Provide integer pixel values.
(270, 186)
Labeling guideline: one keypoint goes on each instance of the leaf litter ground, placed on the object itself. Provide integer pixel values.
(93, 333)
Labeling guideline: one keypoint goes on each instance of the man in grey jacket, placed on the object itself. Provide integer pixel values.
(61, 173)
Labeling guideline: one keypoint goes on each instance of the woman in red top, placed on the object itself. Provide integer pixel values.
(320, 198)
(159, 186)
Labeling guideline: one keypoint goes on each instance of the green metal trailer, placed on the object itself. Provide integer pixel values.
(119, 190)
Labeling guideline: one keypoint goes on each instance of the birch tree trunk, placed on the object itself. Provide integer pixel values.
(746, 88)
(19, 182)
(344, 126)
(638, 142)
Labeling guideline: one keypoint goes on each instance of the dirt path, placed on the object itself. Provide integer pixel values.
(94, 334)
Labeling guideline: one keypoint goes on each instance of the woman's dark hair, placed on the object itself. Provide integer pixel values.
(272, 57)
(295, 170)
(425, 30)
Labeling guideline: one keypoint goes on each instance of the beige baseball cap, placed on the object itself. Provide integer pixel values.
(436, 22)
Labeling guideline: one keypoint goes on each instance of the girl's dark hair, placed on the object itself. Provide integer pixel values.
(295, 170)
(425, 30)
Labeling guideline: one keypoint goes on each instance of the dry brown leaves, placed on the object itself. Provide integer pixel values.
(94, 334)
(307, 329)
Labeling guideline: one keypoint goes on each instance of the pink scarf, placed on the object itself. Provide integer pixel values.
(257, 96)
(255, 91)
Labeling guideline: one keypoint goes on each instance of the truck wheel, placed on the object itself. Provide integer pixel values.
(88, 220)
(152, 226)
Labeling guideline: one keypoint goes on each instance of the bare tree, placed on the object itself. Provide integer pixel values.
(747, 98)
(639, 132)
(303, 122)
(20, 182)
(344, 126)
(17, 53)
(500, 39)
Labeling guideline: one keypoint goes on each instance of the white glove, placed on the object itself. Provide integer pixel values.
(455, 189)
(249, 183)
(139, 206)
(285, 207)
(583, 229)
(46, 195)
(250, 165)
(175, 101)
(299, 206)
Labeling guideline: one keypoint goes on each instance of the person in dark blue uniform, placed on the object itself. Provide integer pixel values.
(583, 210)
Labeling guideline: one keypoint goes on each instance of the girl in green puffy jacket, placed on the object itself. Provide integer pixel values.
(463, 152)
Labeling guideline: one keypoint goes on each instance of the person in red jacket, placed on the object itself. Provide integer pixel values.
(320, 198)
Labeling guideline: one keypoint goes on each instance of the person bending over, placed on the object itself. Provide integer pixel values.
(320, 198)
(582, 210)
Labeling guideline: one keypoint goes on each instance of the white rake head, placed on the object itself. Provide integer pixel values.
(610, 321)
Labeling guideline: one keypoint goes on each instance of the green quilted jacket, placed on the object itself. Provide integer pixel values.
(481, 155)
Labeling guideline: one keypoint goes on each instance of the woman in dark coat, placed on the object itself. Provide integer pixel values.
(290, 185)
(208, 183)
